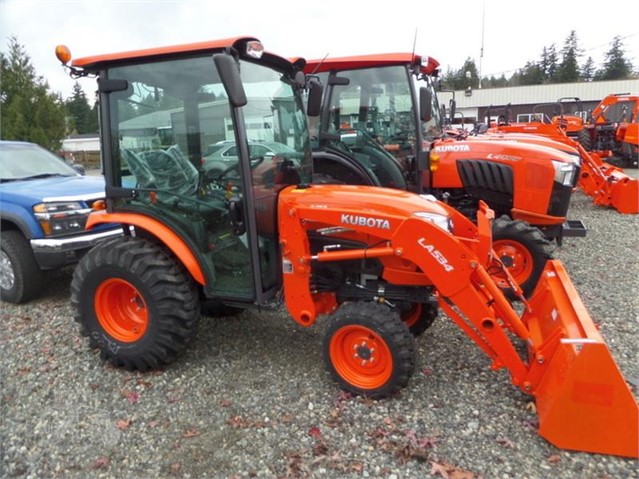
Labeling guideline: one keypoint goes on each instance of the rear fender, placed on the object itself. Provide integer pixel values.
(166, 235)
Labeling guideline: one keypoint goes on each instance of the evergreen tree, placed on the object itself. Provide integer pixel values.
(568, 70)
(548, 64)
(616, 66)
(531, 74)
(493, 82)
(93, 119)
(29, 112)
(79, 110)
(588, 70)
(466, 76)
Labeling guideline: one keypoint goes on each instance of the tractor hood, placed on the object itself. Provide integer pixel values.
(506, 149)
(376, 208)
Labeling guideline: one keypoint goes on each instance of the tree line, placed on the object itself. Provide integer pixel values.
(567, 65)
(30, 111)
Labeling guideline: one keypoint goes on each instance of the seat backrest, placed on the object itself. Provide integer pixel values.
(173, 171)
(138, 167)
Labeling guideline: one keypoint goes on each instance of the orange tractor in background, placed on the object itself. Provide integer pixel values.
(613, 130)
(371, 261)
(607, 184)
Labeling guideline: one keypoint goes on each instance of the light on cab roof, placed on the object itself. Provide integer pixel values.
(63, 54)
(254, 49)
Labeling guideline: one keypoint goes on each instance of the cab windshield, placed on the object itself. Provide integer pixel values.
(171, 130)
(375, 118)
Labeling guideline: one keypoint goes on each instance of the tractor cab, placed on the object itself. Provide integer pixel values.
(166, 116)
(368, 114)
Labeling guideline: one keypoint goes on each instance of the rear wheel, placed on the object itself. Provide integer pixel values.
(583, 137)
(418, 317)
(20, 276)
(369, 350)
(524, 251)
(136, 305)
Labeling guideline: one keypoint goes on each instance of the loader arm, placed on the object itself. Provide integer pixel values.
(561, 338)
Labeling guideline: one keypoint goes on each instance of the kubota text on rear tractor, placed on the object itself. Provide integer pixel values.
(374, 260)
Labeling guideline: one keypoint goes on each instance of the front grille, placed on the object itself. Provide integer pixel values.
(486, 175)
(488, 181)
(560, 199)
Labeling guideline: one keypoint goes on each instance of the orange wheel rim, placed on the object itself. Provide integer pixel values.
(411, 316)
(517, 258)
(121, 310)
(361, 357)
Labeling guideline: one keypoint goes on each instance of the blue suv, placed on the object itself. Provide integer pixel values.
(44, 206)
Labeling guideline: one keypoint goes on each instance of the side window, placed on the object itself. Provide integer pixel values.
(258, 150)
(231, 152)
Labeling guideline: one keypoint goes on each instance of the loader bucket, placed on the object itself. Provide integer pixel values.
(582, 398)
(624, 195)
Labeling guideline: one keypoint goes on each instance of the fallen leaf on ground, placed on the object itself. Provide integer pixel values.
(123, 424)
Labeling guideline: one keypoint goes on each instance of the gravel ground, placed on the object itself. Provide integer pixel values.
(251, 397)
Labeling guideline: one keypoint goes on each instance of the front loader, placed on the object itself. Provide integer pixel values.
(371, 261)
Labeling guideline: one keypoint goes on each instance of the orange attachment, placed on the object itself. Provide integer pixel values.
(607, 184)
(583, 400)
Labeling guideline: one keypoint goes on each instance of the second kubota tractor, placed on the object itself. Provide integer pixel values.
(371, 261)
(380, 124)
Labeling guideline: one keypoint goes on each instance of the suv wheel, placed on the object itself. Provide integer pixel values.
(20, 276)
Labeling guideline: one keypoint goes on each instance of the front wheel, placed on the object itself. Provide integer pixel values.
(523, 250)
(369, 350)
(136, 305)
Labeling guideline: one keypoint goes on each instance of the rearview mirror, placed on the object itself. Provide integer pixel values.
(314, 105)
(425, 104)
(229, 72)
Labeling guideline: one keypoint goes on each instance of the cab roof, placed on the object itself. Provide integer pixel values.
(427, 64)
(98, 61)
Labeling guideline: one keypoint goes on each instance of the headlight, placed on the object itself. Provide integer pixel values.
(57, 219)
(564, 172)
(443, 221)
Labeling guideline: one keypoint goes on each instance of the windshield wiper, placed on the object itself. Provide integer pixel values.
(40, 176)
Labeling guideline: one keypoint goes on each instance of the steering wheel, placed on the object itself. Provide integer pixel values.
(219, 177)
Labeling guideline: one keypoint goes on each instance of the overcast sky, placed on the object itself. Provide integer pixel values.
(512, 32)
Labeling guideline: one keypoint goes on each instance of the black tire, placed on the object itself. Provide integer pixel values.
(161, 291)
(21, 279)
(583, 137)
(418, 316)
(524, 250)
(358, 334)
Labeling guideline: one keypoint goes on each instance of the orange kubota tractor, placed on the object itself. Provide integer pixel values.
(380, 125)
(607, 184)
(613, 130)
(262, 232)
